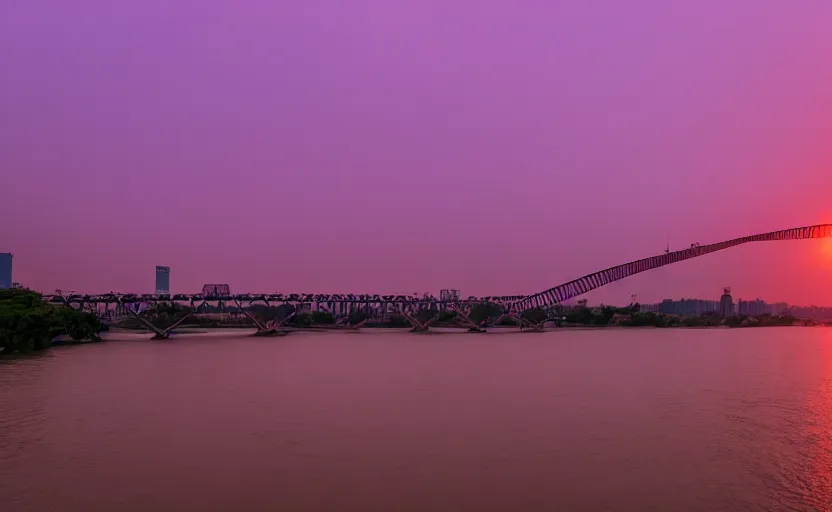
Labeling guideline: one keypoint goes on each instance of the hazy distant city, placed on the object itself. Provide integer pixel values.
(756, 307)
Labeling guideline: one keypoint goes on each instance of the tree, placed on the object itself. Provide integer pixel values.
(397, 320)
(322, 317)
(301, 319)
(733, 321)
(579, 315)
(28, 324)
(535, 316)
(76, 324)
(425, 314)
(483, 311)
(356, 317)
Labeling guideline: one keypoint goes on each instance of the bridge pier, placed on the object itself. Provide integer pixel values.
(417, 325)
(270, 328)
(532, 327)
(510, 315)
(357, 326)
(160, 333)
(465, 319)
(527, 325)
(524, 324)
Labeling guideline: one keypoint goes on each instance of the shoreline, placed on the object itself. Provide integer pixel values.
(324, 328)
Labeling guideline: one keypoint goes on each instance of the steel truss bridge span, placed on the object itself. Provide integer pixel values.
(582, 285)
(341, 306)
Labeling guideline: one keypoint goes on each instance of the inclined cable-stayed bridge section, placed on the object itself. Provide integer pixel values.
(582, 285)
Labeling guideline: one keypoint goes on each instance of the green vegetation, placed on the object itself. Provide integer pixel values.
(632, 316)
(321, 318)
(484, 311)
(605, 315)
(535, 316)
(163, 314)
(28, 324)
(761, 321)
(313, 318)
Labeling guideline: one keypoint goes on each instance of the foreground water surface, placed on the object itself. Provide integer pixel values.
(571, 420)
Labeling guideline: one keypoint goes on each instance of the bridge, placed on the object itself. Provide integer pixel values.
(411, 307)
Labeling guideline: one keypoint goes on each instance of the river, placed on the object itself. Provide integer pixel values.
(583, 420)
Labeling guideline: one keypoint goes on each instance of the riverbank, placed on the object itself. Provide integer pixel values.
(28, 324)
(498, 329)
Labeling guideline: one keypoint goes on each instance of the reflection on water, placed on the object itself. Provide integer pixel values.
(817, 432)
(570, 420)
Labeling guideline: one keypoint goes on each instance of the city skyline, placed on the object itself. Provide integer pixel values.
(412, 147)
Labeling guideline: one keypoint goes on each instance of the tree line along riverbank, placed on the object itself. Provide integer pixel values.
(485, 314)
(632, 316)
(28, 324)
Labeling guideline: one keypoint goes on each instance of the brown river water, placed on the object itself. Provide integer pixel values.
(592, 420)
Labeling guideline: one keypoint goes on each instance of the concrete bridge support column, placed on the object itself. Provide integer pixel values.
(417, 325)
(527, 325)
(465, 319)
(269, 328)
(161, 334)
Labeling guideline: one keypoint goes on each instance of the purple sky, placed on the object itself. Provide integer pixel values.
(407, 146)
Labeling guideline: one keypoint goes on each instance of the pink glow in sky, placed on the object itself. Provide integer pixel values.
(407, 146)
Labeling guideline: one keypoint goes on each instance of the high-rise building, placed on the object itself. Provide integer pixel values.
(162, 280)
(779, 308)
(5, 270)
(726, 303)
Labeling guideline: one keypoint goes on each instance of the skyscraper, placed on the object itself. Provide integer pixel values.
(726, 303)
(162, 280)
(5, 270)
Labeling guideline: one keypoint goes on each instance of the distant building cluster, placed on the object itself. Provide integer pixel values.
(811, 312)
(684, 307)
(725, 307)
(755, 307)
